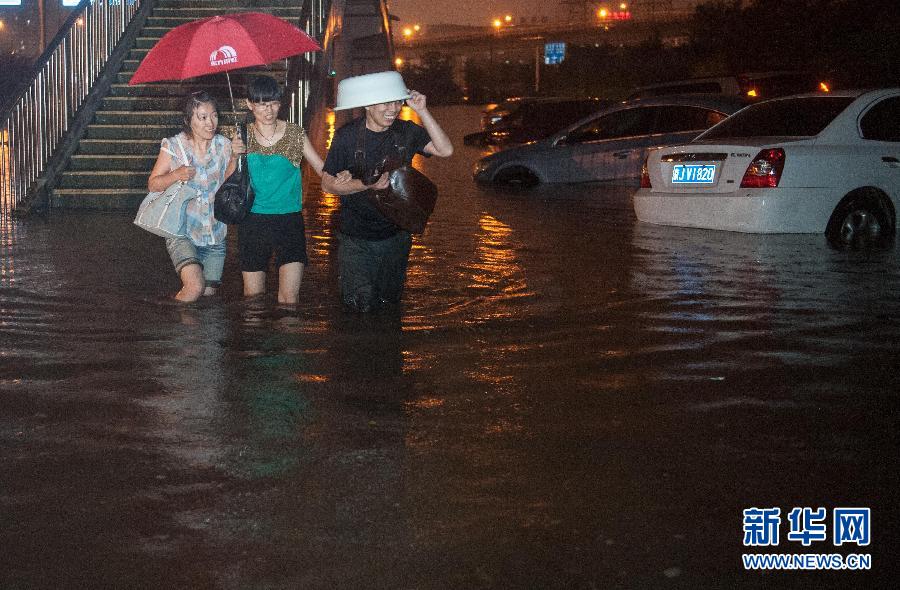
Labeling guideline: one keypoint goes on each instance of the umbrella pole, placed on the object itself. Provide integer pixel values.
(233, 110)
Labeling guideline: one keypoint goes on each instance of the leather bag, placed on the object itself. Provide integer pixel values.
(163, 213)
(234, 198)
(409, 199)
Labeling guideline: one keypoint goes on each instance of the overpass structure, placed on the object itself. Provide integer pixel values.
(78, 136)
(522, 41)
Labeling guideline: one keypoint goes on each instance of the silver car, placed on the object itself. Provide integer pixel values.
(610, 144)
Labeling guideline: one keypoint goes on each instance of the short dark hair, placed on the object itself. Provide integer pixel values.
(264, 89)
(194, 100)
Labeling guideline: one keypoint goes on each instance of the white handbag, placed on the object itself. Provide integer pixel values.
(162, 213)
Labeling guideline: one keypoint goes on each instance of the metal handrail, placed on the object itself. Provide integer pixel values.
(302, 71)
(34, 122)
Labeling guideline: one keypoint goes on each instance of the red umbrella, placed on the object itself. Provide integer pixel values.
(219, 44)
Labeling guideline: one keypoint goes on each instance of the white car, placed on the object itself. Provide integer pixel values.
(800, 164)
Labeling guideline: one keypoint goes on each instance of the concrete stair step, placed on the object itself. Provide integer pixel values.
(105, 132)
(226, 4)
(117, 147)
(174, 89)
(198, 12)
(102, 163)
(171, 22)
(109, 179)
(110, 199)
(142, 104)
(114, 199)
(158, 118)
(135, 57)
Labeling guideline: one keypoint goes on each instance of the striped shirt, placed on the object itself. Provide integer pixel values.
(201, 227)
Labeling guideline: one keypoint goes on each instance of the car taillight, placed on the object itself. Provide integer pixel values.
(645, 176)
(765, 169)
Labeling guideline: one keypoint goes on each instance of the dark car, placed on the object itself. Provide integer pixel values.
(523, 120)
(753, 85)
(611, 144)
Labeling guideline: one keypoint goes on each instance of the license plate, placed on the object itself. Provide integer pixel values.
(693, 173)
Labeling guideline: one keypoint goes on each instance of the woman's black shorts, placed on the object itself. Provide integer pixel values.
(260, 236)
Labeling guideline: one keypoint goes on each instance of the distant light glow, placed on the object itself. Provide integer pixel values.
(823, 86)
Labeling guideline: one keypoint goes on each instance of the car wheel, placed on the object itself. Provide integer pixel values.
(516, 177)
(860, 221)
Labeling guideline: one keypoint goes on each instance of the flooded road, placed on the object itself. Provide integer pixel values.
(570, 399)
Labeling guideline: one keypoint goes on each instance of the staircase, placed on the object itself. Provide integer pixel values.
(110, 167)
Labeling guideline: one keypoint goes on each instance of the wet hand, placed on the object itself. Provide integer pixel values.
(416, 100)
(382, 183)
(184, 173)
(237, 145)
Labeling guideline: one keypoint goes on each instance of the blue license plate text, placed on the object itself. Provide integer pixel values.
(693, 174)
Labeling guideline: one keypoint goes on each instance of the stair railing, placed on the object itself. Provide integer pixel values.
(305, 70)
(34, 122)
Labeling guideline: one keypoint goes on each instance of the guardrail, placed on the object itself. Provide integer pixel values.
(304, 70)
(34, 122)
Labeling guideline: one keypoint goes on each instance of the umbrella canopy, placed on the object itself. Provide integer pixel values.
(219, 44)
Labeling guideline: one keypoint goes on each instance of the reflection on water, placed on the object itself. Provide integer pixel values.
(565, 391)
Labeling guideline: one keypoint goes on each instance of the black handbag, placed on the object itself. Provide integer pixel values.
(234, 198)
(409, 199)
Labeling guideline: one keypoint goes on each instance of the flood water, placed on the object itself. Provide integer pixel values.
(569, 399)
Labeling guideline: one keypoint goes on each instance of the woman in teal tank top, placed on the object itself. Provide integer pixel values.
(275, 151)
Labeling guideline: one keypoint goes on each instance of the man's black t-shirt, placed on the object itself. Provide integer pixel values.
(358, 216)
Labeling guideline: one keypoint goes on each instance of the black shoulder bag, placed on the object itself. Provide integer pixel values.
(410, 198)
(234, 198)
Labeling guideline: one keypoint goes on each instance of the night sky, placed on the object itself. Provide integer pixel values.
(481, 12)
(467, 12)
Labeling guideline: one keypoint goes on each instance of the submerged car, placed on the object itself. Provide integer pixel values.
(800, 164)
(609, 145)
(524, 120)
(753, 85)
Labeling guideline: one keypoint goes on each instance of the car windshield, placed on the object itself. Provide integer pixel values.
(793, 117)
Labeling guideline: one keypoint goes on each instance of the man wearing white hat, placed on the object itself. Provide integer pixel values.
(373, 251)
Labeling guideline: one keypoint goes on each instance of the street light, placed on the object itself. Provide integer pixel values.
(507, 18)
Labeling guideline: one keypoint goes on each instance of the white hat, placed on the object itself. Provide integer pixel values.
(369, 89)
